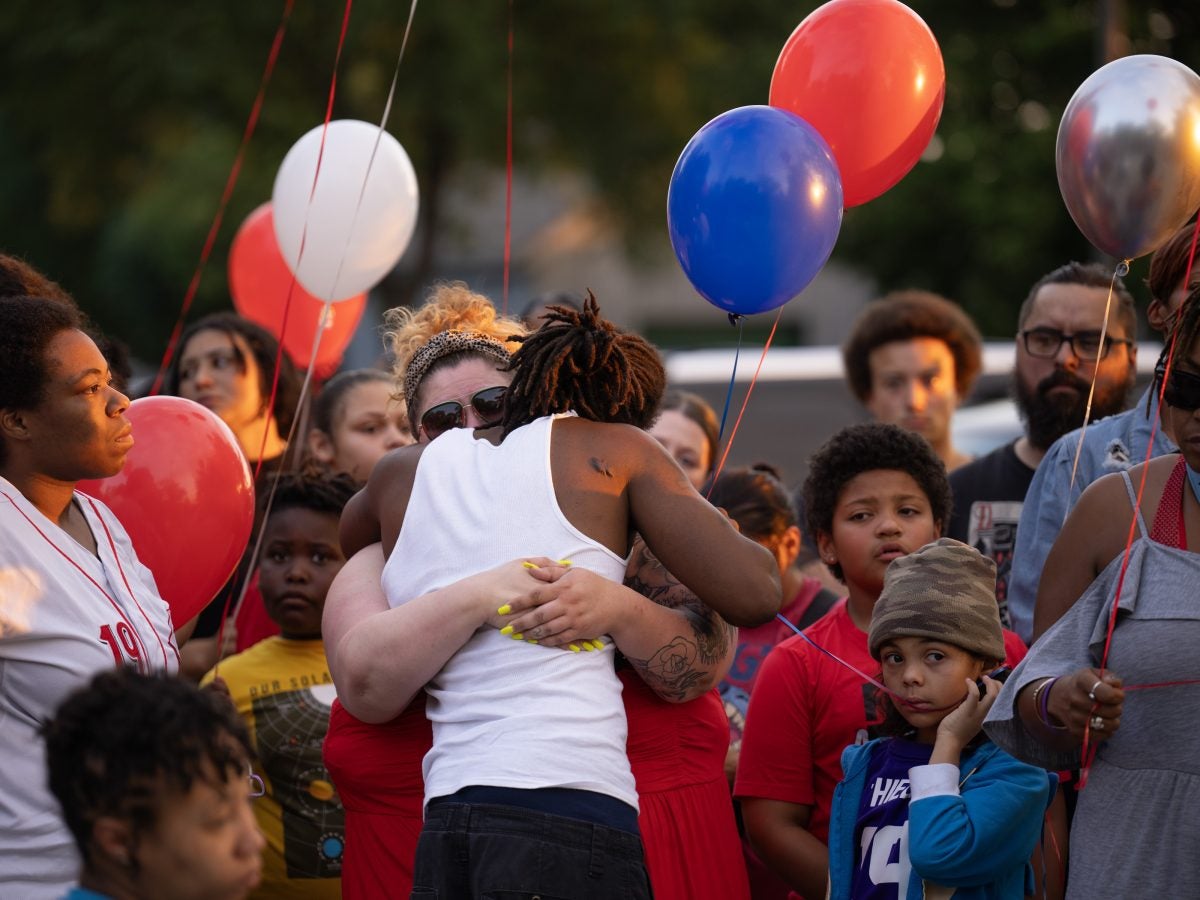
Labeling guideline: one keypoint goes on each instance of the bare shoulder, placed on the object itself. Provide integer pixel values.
(376, 512)
(613, 446)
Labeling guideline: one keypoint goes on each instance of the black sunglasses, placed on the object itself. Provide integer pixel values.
(489, 403)
(1183, 389)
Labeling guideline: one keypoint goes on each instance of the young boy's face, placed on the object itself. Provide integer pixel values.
(205, 844)
(931, 676)
(300, 557)
(880, 515)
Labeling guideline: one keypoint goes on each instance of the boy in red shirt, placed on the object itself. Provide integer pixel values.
(874, 493)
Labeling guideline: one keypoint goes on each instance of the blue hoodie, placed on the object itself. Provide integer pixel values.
(972, 835)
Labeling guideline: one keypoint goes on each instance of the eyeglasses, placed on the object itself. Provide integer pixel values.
(257, 788)
(1182, 391)
(1044, 343)
(489, 403)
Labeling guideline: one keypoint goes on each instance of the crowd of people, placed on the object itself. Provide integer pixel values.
(508, 631)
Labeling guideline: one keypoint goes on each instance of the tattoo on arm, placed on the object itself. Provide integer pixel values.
(678, 667)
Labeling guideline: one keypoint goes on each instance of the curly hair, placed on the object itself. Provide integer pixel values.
(19, 279)
(263, 347)
(581, 362)
(114, 745)
(756, 499)
(27, 326)
(449, 306)
(871, 447)
(314, 487)
(906, 316)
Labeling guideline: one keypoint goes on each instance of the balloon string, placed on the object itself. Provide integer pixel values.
(226, 194)
(1089, 749)
(287, 305)
(1121, 269)
(279, 352)
(732, 377)
(387, 112)
(898, 698)
(508, 164)
(749, 390)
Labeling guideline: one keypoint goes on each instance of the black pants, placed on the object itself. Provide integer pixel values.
(485, 852)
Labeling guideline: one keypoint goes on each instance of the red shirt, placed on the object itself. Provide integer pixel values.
(806, 709)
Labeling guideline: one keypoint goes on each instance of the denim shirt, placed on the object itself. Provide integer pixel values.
(1110, 445)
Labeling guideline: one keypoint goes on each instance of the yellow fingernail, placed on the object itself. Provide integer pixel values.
(527, 564)
(518, 637)
(504, 610)
(507, 629)
(530, 641)
(574, 648)
(599, 645)
(564, 562)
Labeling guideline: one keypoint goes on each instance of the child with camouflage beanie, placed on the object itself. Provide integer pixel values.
(936, 810)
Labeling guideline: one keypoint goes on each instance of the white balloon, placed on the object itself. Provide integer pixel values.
(345, 252)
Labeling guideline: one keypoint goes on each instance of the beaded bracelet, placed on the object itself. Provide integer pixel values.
(1041, 699)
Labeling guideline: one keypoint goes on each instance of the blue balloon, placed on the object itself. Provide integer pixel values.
(754, 208)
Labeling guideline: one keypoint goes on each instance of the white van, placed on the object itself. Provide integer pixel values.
(801, 398)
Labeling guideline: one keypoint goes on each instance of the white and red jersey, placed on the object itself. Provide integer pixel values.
(65, 615)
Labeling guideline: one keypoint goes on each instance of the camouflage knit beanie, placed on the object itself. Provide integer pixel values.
(946, 591)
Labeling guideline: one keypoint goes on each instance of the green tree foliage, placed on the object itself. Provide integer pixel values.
(119, 123)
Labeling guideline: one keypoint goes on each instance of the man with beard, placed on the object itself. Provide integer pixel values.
(1113, 445)
(1058, 351)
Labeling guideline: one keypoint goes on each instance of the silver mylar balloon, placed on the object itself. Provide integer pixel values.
(1128, 154)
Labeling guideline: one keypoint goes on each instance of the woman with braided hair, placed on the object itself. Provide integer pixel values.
(529, 740)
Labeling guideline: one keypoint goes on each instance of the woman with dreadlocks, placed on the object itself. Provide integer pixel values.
(528, 763)
(1144, 783)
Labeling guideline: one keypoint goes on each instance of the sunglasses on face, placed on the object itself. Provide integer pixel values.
(1182, 391)
(488, 403)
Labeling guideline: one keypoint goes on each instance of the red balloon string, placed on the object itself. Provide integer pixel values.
(283, 325)
(508, 163)
(337, 59)
(230, 182)
(745, 402)
(1089, 748)
(898, 698)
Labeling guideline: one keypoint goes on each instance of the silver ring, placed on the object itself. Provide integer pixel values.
(1097, 723)
(1092, 691)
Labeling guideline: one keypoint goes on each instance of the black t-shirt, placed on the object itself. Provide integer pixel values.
(988, 495)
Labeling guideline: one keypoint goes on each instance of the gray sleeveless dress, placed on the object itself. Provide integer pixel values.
(1136, 831)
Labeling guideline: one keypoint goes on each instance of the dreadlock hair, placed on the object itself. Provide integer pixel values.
(315, 487)
(1183, 336)
(581, 362)
(114, 745)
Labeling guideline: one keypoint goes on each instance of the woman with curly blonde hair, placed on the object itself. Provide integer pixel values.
(449, 306)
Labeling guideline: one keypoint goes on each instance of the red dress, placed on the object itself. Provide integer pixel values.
(677, 753)
(377, 772)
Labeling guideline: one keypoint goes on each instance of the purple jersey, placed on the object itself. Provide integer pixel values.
(881, 832)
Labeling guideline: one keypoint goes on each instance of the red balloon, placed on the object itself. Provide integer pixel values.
(186, 498)
(259, 281)
(868, 75)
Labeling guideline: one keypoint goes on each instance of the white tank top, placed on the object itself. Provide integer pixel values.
(506, 713)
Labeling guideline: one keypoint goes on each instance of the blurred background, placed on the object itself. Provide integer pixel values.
(121, 120)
